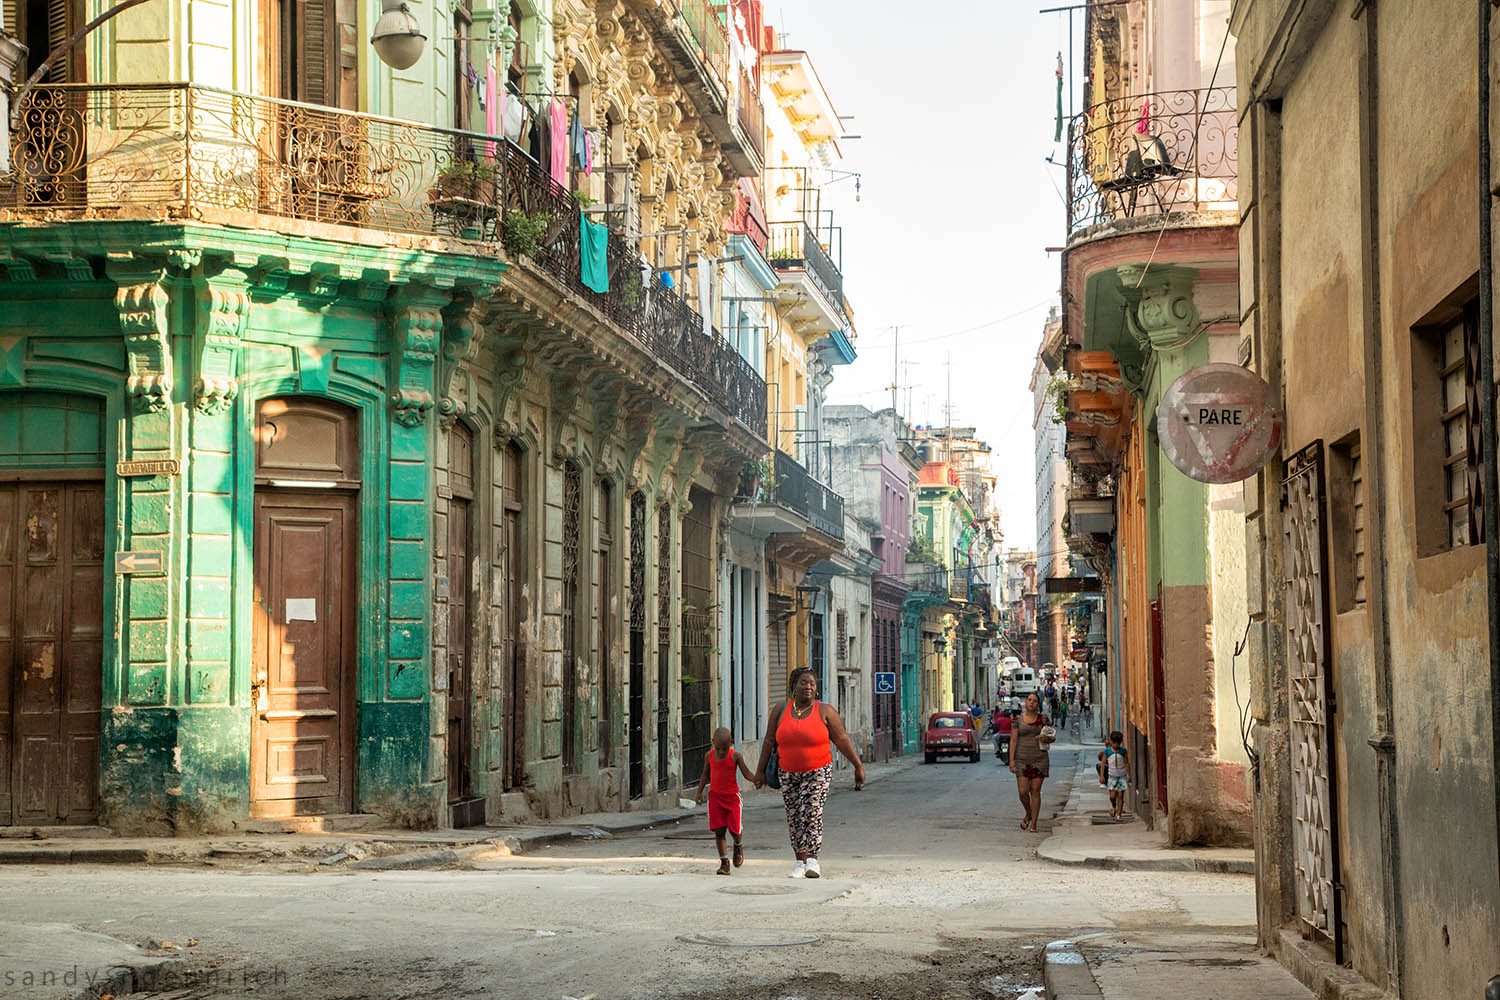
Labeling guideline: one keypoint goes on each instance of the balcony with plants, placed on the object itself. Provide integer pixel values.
(777, 495)
(180, 152)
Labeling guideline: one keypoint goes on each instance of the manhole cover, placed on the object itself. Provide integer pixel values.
(758, 890)
(687, 835)
(750, 939)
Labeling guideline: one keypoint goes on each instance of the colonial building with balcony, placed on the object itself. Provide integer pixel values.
(1149, 292)
(379, 464)
(872, 453)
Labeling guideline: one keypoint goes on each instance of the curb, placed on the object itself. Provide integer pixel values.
(1211, 866)
(1066, 975)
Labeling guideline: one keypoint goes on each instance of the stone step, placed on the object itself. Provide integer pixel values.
(53, 832)
(335, 823)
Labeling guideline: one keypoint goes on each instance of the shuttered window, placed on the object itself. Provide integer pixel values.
(43, 25)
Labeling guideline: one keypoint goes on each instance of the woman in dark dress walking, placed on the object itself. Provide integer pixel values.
(1028, 758)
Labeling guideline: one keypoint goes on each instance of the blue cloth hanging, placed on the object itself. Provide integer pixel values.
(593, 249)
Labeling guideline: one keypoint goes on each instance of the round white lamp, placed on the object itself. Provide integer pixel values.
(398, 37)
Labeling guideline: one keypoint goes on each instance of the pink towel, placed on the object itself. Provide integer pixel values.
(559, 142)
(491, 106)
(1143, 126)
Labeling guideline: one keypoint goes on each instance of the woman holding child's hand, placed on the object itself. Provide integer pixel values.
(801, 729)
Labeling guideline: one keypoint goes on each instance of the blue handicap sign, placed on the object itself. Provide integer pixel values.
(885, 682)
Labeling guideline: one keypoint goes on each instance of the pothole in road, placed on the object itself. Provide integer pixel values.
(751, 939)
(758, 890)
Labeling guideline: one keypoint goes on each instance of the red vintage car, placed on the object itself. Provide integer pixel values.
(951, 733)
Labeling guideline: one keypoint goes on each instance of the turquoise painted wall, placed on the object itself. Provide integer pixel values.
(180, 335)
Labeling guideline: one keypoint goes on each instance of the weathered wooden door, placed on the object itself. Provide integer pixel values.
(1158, 705)
(303, 658)
(1314, 797)
(51, 650)
(512, 614)
(460, 665)
(637, 644)
(303, 663)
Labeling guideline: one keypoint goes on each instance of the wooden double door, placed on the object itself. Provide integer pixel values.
(51, 650)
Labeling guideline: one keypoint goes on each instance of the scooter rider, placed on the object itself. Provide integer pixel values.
(1000, 721)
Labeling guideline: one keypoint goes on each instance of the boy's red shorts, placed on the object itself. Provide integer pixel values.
(724, 811)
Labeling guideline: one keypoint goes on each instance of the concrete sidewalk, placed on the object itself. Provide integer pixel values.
(1083, 834)
(1147, 965)
(365, 849)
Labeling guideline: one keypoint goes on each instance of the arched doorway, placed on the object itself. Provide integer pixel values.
(303, 656)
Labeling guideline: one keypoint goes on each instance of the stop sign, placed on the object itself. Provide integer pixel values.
(1218, 423)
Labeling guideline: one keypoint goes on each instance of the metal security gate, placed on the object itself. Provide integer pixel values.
(1314, 797)
(663, 640)
(637, 644)
(697, 634)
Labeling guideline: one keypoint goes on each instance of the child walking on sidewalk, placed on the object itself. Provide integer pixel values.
(719, 768)
(1116, 766)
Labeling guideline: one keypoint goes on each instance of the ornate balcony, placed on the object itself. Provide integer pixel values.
(181, 152)
(804, 267)
(927, 578)
(1153, 155)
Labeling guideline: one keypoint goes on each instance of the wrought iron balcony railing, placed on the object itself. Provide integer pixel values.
(1152, 155)
(176, 151)
(749, 113)
(795, 245)
(798, 491)
(930, 578)
(702, 20)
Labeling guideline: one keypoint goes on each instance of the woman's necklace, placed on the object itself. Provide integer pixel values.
(804, 713)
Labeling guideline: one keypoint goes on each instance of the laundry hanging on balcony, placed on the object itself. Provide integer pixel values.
(559, 132)
(593, 249)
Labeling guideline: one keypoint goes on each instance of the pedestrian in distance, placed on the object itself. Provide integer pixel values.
(800, 730)
(1030, 737)
(1116, 766)
(719, 767)
(1062, 714)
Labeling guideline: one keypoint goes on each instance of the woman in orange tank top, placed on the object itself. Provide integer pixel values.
(801, 730)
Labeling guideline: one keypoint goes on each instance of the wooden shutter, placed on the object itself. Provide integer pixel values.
(10, 16)
(311, 61)
(63, 18)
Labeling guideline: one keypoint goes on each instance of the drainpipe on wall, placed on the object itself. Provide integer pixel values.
(1383, 742)
(1487, 405)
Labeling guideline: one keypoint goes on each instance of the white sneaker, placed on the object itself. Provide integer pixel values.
(812, 869)
(799, 870)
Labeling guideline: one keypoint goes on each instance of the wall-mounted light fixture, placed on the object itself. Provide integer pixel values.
(807, 597)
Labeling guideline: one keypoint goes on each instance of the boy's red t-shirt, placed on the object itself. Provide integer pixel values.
(721, 774)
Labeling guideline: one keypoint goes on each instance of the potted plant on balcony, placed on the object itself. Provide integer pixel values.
(522, 232)
(465, 191)
(758, 481)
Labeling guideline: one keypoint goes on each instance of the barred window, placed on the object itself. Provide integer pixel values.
(1446, 436)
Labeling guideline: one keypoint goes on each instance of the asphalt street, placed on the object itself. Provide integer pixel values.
(929, 890)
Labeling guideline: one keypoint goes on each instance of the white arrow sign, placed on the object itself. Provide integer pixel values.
(138, 562)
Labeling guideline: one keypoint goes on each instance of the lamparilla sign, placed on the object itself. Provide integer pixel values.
(1218, 423)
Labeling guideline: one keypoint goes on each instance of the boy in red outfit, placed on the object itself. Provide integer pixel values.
(719, 767)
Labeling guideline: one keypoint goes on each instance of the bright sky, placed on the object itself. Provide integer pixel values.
(955, 103)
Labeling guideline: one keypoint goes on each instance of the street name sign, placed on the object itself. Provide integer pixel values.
(142, 562)
(148, 467)
(885, 682)
(1218, 423)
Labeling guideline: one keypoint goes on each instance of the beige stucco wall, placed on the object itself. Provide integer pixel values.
(1443, 808)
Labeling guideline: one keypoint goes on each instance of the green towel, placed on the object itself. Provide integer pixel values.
(593, 247)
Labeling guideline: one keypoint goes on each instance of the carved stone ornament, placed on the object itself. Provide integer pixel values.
(218, 347)
(414, 342)
(463, 332)
(141, 302)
